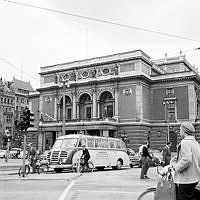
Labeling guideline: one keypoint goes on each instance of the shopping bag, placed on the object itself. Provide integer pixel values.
(165, 190)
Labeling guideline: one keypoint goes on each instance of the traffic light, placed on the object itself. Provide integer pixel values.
(31, 119)
(28, 119)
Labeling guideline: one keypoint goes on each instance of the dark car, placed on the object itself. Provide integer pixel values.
(134, 157)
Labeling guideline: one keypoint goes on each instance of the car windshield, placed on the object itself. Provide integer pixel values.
(66, 143)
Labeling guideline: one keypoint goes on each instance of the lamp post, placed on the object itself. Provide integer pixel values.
(64, 82)
(166, 103)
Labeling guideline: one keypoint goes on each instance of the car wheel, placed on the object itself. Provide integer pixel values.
(100, 168)
(119, 164)
(58, 170)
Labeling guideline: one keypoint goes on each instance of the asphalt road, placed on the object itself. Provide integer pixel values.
(32, 190)
(107, 185)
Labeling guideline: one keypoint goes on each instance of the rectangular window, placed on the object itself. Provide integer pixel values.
(171, 111)
(117, 144)
(111, 144)
(90, 142)
(169, 91)
(104, 143)
(97, 143)
(110, 111)
(88, 112)
(69, 113)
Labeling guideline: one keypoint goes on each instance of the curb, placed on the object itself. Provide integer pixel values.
(39, 178)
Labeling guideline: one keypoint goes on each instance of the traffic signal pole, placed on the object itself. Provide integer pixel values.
(24, 155)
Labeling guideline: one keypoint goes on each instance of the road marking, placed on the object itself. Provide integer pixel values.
(108, 191)
(64, 194)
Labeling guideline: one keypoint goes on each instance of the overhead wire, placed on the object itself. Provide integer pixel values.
(9, 63)
(103, 21)
(98, 20)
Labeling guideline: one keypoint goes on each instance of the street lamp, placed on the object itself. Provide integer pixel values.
(64, 82)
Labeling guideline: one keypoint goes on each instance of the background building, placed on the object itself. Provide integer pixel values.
(122, 95)
(14, 97)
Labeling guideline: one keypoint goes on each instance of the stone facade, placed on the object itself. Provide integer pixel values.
(117, 95)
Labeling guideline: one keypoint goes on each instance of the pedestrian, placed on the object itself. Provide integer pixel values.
(32, 155)
(187, 164)
(140, 152)
(166, 153)
(145, 156)
(86, 155)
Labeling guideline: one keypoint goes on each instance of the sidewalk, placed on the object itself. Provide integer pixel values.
(11, 164)
(43, 176)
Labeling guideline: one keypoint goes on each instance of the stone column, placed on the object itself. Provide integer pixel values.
(74, 105)
(55, 108)
(94, 105)
(40, 105)
(139, 102)
(105, 133)
(77, 109)
(98, 109)
(116, 106)
(192, 103)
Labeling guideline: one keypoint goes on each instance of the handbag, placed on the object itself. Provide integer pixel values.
(166, 189)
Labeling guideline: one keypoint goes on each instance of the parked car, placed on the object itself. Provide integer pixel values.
(2, 153)
(15, 152)
(134, 157)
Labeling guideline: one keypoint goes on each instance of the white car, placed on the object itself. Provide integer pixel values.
(2, 153)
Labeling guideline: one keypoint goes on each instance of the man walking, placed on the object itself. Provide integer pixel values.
(145, 156)
(187, 164)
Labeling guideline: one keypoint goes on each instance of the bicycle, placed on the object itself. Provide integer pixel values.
(80, 166)
(149, 193)
(39, 168)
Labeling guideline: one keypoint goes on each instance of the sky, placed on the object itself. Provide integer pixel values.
(31, 38)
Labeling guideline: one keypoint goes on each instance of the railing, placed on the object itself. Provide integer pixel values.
(80, 120)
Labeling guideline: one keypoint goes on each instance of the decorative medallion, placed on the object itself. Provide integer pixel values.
(85, 74)
(127, 91)
(66, 77)
(48, 99)
(106, 71)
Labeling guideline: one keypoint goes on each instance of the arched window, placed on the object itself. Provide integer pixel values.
(68, 108)
(106, 105)
(85, 106)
